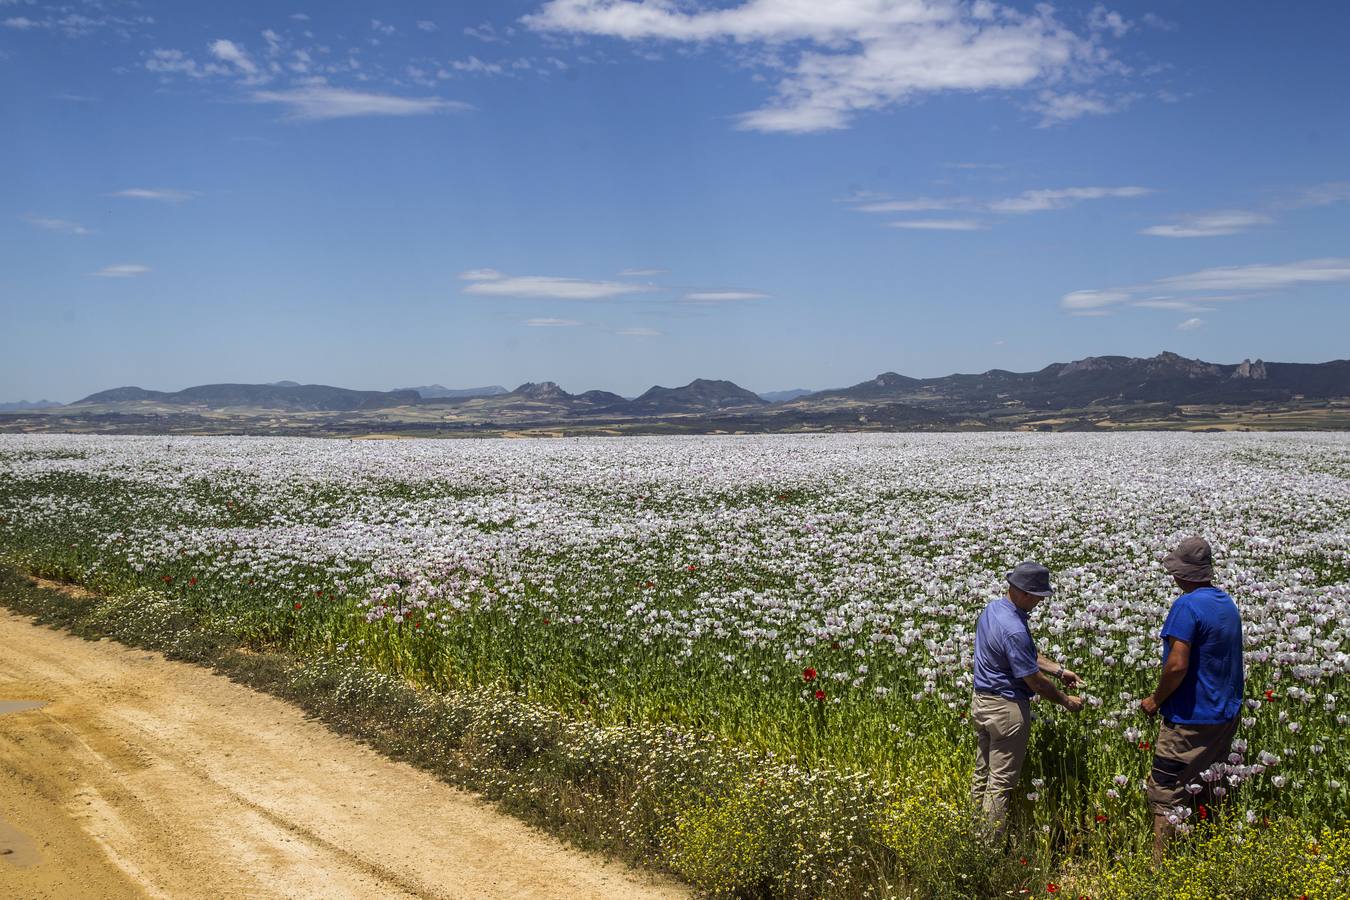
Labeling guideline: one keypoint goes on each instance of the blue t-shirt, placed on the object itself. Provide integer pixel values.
(1004, 651)
(1211, 693)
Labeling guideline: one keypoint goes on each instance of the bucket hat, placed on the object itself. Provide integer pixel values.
(1192, 560)
(1031, 577)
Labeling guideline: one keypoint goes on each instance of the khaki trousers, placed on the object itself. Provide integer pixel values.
(1002, 730)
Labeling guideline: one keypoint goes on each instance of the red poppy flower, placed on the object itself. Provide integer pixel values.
(1204, 813)
(1052, 888)
(167, 579)
(691, 567)
(192, 582)
(820, 695)
(1023, 860)
(1100, 819)
(298, 604)
(808, 674)
(1143, 745)
(1270, 696)
(548, 621)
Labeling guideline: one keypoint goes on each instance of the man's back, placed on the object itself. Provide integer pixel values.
(1208, 620)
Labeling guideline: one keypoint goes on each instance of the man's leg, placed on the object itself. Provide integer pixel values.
(1181, 753)
(1009, 734)
(979, 782)
(1162, 834)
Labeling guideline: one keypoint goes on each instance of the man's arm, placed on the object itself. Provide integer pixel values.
(1174, 670)
(1057, 670)
(1043, 686)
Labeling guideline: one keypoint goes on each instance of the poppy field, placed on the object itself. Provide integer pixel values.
(774, 631)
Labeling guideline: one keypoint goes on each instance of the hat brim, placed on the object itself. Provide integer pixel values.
(1179, 568)
(1045, 593)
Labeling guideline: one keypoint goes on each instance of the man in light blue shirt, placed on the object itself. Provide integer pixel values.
(1008, 672)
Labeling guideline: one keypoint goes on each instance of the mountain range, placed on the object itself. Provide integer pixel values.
(1163, 391)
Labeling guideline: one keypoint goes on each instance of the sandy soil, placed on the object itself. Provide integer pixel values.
(146, 777)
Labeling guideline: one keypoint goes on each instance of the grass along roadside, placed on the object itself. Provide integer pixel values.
(728, 821)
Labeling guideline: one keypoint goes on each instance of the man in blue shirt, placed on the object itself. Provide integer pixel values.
(1199, 692)
(1008, 671)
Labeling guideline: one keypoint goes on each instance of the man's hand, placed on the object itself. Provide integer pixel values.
(1070, 678)
(1073, 703)
(1149, 706)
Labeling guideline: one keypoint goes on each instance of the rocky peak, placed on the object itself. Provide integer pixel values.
(543, 390)
(1173, 363)
(1256, 371)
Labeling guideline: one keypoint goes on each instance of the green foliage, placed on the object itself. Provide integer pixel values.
(1227, 862)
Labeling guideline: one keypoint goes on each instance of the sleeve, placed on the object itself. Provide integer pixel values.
(1021, 654)
(1181, 622)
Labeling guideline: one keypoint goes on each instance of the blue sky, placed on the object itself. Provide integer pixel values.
(613, 193)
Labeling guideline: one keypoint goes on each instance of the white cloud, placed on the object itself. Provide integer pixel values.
(919, 204)
(163, 195)
(61, 225)
(484, 32)
(63, 20)
(176, 62)
(1261, 277)
(122, 270)
(1057, 108)
(1325, 194)
(300, 17)
(1175, 305)
(318, 101)
(1241, 281)
(1039, 200)
(644, 273)
(1103, 19)
(426, 25)
(939, 224)
(1080, 300)
(382, 27)
(480, 275)
(639, 332)
(1061, 198)
(475, 65)
(230, 52)
(853, 55)
(491, 283)
(1190, 324)
(551, 323)
(723, 296)
(1209, 224)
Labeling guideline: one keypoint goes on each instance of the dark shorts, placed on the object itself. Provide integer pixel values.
(1181, 753)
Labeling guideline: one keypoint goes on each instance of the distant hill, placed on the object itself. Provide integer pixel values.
(440, 392)
(783, 396)
(294, 398)
(699, 395)
(1111, 380)
(1095, 393)
(25, 405)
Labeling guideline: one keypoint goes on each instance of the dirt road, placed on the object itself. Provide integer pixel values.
(145, 777)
